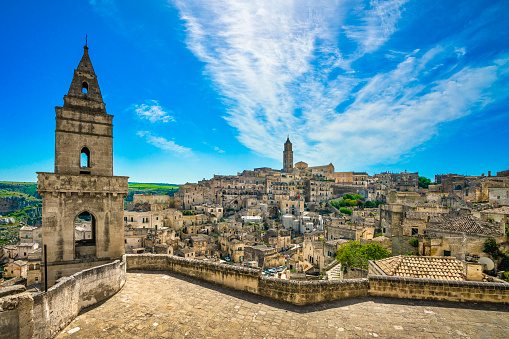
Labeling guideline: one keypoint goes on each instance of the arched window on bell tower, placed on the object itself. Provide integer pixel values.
(85, 160)
(84, 87)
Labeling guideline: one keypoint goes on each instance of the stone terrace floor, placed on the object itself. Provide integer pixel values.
(167, 305)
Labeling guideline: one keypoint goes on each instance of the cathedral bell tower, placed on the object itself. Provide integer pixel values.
(288, 156)
(82, 202)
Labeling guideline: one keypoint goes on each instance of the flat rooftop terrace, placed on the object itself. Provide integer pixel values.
(168, 305)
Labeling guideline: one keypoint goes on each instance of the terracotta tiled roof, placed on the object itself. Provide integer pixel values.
(467, 224)
(443, 268)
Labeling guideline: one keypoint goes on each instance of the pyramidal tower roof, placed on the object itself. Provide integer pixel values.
(85, 63)
(84, 84)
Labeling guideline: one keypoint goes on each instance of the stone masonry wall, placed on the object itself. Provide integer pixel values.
(16, 315)
(310, 292)
(240, 278)
(24, 315)
(54, 309)
(431, 289)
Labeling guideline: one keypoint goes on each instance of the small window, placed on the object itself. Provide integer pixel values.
(447, 253)
(415, 230)
(84, 87)
(85, 157)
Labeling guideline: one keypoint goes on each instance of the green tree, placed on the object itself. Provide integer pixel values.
(357, 255)
(345, 210)
(490, 247)
(424, 182)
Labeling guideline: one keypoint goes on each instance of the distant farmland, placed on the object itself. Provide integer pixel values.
(151, 188)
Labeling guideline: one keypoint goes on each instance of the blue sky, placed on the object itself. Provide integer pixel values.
(214, 87)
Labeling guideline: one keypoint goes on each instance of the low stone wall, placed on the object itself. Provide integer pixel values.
(237, 277)
(54, 309)
(16, 314)
(431, 289)
(311, 292)
(43, 315)
(251, 280)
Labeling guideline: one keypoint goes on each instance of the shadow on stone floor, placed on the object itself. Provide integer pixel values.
(256, 299)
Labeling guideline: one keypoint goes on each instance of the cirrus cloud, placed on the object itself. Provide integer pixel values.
(164, 144)
(153, 112)
(298, 67)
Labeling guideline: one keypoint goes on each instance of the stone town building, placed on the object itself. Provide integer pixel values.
(318, 190)
(295, 207)
(30, 234)
(322, 172)
(155, 202)
(301, 165)
(401, 182)
(34, 267)
(265, 257)
(83, 182)
(345, 178)
(288, 156)
(191, 194)
(16, 269)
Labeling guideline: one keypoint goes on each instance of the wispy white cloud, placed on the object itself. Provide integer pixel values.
(164, 144)
(215, 148)
(218, 150)
(375, 23)
(153, 112)
(289, 67)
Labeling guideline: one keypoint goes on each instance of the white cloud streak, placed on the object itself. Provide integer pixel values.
(281, 68)
(164, 144)
(153, 112)
(218, 150)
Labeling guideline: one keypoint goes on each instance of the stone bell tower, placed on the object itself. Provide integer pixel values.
(288, 156)
(83, 190)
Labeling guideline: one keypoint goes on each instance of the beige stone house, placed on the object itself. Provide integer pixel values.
(16, 269)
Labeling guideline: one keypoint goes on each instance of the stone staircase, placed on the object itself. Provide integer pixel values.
(334, 271)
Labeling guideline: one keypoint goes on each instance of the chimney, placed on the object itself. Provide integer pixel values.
(489, 173)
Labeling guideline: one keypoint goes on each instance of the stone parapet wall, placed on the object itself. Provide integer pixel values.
(311, 292)
(43, 315)
(52, 182)
(54, 309)
(236, 277)
(432, 289)
(16, 315)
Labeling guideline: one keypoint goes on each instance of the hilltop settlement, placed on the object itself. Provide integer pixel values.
(301, 223)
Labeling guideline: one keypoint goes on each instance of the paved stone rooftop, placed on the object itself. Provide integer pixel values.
(166, 305)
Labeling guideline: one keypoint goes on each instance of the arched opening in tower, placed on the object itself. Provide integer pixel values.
(84, 236)
(85, 157)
